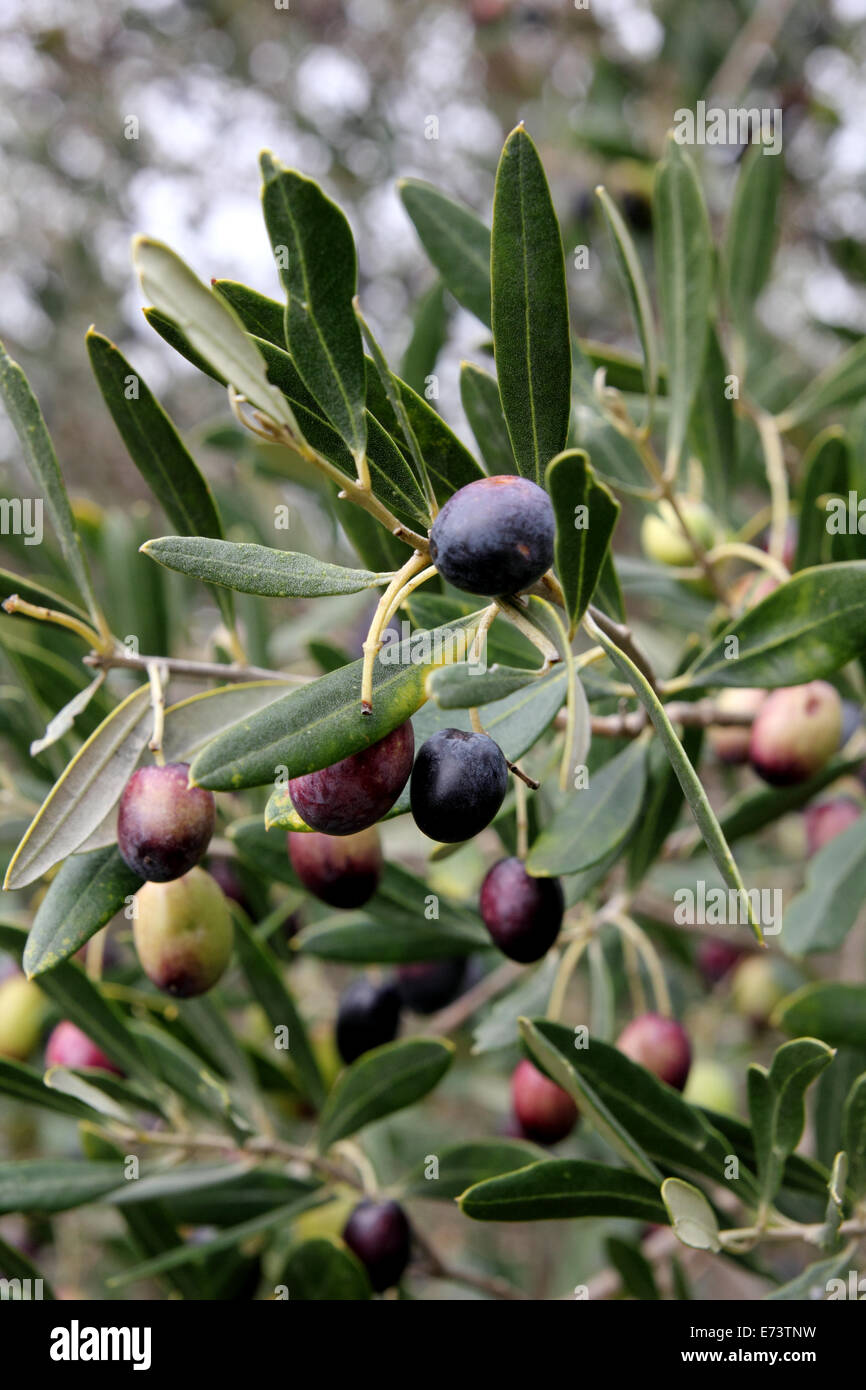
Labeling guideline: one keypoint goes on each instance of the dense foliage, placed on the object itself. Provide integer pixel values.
(244, 1149)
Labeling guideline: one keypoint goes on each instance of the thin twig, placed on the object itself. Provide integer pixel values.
(440, 1269)
(701, 714)
(456, 1014)
(624, 639)
(179, 666)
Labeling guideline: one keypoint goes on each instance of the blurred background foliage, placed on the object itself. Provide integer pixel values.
(118, 117)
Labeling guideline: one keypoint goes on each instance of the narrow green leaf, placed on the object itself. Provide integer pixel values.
(633, 1268)
(825, 471)
(712, 435)
(843, 383)
(529, 309)
(27, 1086)
(233, 1200)
(822, 914)
(407, 416)
(596, 820)
(854, 1136)
(155, 447)
(258, 569)
(752, 229)
(834, 1012)
(211, 327)
(564, 1188)
(662, 805)
(391, 477)
(638, 1114)
(54, 1184)
(811, 1284)
(545, 1049)
(226, 1240)
(461, 687)
(586, 514)
(27, 420)
(457, 242)
(466, 1164)
(530, 995)
(315, 255)
(15, 1265)
(801, 1174)
(261, 316)
(181, 1069)
(273, 996)
(479, 394)
(776, 1105)
(402, 423)
(810, 627)
(431, 321)
(318, 1270)
(86, 893)
(85, 792)
(688, 779)
(390, 937)
(635, 283)
(193, 722)
(683, 251)
(381, 1082)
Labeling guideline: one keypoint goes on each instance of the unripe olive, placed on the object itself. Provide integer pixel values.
(659, 1044)
(757, 987)
(795, 732)
(68, 1046)
(183, 933)
(341, 870)
(730, 742)
(22, 1012)
(712, 1086)
(164, 826)
(662, 536)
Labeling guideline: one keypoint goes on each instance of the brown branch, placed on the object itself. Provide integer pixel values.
(699, 714)
(179, 666)
(456, 1014)
(624, 639)
(440, 1269)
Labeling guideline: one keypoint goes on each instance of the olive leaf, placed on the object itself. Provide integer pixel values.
(85, 792)
(258, 569)
(315, 255)
(529, 309)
